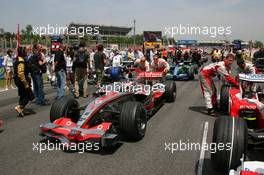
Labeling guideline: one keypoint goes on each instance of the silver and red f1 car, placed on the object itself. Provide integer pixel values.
(109, 115)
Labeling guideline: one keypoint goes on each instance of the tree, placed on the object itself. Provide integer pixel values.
(258, 44)
(28, 33)
(2, 31)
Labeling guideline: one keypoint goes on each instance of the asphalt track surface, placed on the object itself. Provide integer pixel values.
(181, 121)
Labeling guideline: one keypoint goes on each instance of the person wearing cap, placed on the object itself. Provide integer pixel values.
(245, 68)
(143, 64)
(8, 63)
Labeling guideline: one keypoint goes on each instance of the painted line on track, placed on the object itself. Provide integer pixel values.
(202, 153)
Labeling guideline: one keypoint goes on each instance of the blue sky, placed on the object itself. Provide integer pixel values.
(244, 16)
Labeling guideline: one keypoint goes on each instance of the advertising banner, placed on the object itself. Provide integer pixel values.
(2, 68)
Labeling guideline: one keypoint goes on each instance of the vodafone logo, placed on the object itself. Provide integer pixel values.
(68, 123)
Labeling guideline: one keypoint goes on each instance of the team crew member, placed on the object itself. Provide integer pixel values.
(159, 65)
(207, 84)
(143, 64)
(245, 68)
(22, 82)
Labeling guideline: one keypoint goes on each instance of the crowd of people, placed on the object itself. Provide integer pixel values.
(71, 67)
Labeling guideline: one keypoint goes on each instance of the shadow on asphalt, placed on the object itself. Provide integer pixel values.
(29, 111)
(200, 109)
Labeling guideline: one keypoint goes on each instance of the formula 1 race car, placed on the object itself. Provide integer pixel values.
(114, 74)
(242, 125)
(111, 114)
(182, 71)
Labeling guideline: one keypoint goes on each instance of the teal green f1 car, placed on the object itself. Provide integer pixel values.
(182, 71)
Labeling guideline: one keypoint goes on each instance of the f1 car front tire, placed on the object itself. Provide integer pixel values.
(232, 133)
(133, 120)
(65, 107)
(170, 91)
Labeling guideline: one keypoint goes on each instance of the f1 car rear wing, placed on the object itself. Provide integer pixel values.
(257, 78)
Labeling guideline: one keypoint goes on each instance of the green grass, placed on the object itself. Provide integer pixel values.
(3, 84)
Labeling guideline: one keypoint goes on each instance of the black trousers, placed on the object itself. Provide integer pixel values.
(25, 95)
